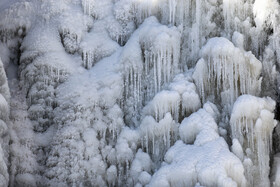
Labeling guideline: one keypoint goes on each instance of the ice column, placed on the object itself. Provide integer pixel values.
(225, 72)
(150, 60)
(252, 127)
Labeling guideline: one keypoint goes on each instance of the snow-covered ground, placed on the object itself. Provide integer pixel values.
(139, 93)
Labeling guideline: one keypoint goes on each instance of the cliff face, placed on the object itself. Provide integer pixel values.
(139, 92)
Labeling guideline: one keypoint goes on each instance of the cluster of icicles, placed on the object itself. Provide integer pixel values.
(252, 127)
(231, 70)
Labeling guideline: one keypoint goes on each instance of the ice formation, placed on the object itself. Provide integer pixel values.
(145, 75)
(200, 124)
(101, 47)
(157, 137)
(93, 132)
(24, 168)
(190, 163)
(252, 127)
(187, 165)
(229, 69)
(181, 99)
(275, 171)
(139, 93)
(4, 120)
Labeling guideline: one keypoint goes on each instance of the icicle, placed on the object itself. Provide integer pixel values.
(225, 72)
(252, 127)
(172, 11)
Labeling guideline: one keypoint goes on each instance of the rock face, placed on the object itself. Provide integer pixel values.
(139, 93)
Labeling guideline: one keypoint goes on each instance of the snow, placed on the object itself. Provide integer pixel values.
(160, 46)
(190, 101)
(157, 137)
(17, 12)
(188, 164)
(4, 118)
(253, 127)
(237, 149)
(4, 54)
(163, 102)
(139, 93)
(263, 10)
(101, 46)
(200, 127)
(6, 4)
(275, 171)
(223, 65)
(140, 167)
